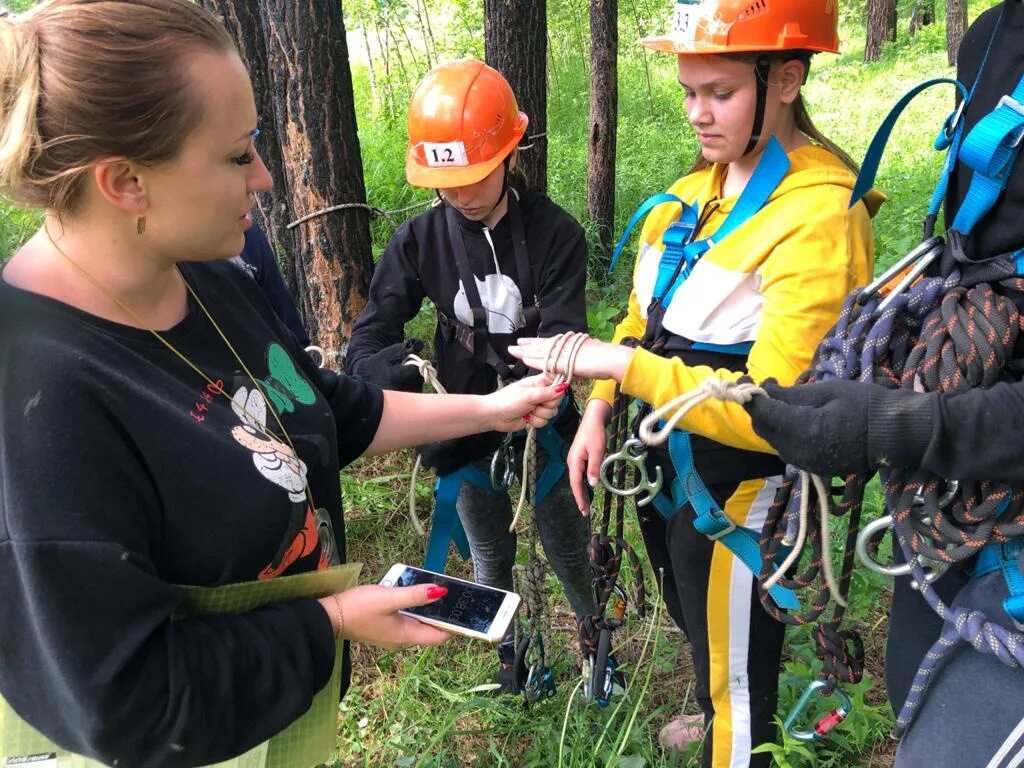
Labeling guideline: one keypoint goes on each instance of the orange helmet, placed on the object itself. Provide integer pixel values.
(734, 26)
(463, 122)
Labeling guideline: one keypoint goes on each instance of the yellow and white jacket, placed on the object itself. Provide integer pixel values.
(779, 281)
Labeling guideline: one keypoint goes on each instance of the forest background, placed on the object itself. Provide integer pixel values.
(423, 708)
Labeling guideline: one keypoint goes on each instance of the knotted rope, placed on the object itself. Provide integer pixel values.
(429, 374)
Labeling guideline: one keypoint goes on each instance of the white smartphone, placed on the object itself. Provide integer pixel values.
(468, 609)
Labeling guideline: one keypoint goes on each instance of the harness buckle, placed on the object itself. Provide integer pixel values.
(950, 126)
(730, 527)
(633, 452)
(826, 723)
(1010, 103)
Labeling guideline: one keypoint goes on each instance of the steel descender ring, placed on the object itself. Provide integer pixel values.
(503, 465)
(633, 452)
(932, 569)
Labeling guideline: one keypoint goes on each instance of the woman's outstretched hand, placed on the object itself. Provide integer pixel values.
(594, 360)
(530, 402)
(369, 614)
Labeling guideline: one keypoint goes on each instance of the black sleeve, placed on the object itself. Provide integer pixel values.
(396, 293)
(259, 254)
(562, 284)
(974, 435)
(90, 655)
(357, 406)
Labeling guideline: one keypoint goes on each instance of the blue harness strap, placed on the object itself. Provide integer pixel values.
(689, 214)
(990, 150)
(709, 519)
(447, 527)
(678, 246)
(1005, 557)
(948, 137)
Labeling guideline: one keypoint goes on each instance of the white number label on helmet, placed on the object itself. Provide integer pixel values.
(450, 153)
(684, 20)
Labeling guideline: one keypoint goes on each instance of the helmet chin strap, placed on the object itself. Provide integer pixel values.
(761, 69)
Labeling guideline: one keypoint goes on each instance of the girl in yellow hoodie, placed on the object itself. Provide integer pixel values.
(742, 275)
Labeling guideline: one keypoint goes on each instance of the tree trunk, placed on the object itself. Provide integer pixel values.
(242, 21)
(956, 25)
(604, 44)
(881, 27)
(922, 16)
(311, 87)
(515, 44)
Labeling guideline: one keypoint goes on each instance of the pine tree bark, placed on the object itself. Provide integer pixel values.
(243, 22)
(881, 27)
(300, 64)
(604, 105)
(923, 15)
(956, 25)
(516, 44)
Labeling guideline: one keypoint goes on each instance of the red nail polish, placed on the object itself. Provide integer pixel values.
(562, 387)
(436, 592)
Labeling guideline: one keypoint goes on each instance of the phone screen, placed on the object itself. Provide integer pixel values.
(468, 605)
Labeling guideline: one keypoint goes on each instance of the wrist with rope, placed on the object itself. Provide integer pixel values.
(340, 613)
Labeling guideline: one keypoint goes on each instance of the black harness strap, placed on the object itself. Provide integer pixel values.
(483, 352)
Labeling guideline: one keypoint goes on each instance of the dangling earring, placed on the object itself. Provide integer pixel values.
(140, 225)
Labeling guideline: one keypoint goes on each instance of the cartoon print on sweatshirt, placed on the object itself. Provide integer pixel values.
(308, 529)
(501, 298)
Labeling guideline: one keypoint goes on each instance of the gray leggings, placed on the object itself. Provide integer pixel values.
(564, 535)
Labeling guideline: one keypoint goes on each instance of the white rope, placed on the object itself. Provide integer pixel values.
(742, 393)
(572, 342)
(712, 387)
(429, 374)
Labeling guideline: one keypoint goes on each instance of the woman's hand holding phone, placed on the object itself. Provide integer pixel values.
(370, 614)
(466, 608)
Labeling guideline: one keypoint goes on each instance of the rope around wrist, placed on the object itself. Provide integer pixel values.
(573, 342)
(341, 617)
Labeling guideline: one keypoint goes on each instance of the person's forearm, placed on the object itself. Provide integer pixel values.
(413, 419)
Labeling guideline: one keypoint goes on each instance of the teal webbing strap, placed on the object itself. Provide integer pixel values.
(446, 525)
(770, 170)
(646, 207)
(990, 151)
(709, 519)
(873, 157)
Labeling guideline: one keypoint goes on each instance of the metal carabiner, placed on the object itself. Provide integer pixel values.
(952, 488)
(540, 684)
(633, 452)
(826, 723)
(920, 250)
(932, 570)
(503, 465)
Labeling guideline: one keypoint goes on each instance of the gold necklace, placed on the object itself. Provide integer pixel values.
(213, 385)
